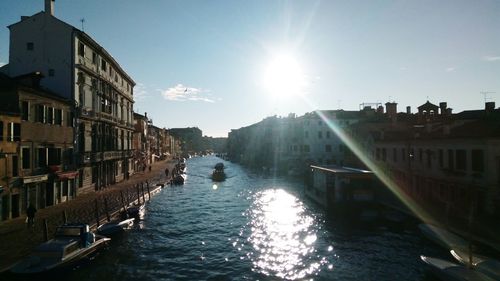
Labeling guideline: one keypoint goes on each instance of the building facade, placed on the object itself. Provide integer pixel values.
(78, 69)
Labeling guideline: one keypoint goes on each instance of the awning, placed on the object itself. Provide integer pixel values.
(67, 175)
(33, 179)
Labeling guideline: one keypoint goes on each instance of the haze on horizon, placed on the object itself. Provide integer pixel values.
(222, 65)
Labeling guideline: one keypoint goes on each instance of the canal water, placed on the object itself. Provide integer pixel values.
(251, 227)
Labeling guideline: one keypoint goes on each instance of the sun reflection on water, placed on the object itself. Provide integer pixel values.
(282, 236)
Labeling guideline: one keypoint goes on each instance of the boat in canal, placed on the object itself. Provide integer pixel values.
(446, 270)
(71, 245)
(218, 173)
(483, 264)
(136, 211)
(116, 226)
(178, 179)
(443, 237)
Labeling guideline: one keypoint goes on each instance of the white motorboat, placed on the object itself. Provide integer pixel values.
(72, 244)
(446, 270)
(116, 226)
(483, 264)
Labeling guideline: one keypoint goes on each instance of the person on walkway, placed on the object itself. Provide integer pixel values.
(166, 172)
(30, 212)
(150, 168)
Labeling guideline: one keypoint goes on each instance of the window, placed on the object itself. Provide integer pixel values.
(40, 113)
(42, 157)
(103, 65)
(15, 165)
(403, 154)
(94, 58)
(30, 46)
(328, 148)
(377, 153)
(320, 135)
(384, 154)
(1, 131)
(441, 158)
(328, 134)
(306, 134)
(420, 155)
(428, 155)
(25, 110)
(13, 131)
(451, 159)
(461, 163)
(306, 148)
(69, 119)
(81, 49)
(394, 155)
(58, 117)
(320, 123)
(54, 156)
(26, 157)
(52, 72)
(477, 160)
(50, 115)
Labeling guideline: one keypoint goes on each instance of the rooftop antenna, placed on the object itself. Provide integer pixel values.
(485, 94)
(83, 21)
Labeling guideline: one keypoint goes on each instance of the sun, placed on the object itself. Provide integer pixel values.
(283, 77)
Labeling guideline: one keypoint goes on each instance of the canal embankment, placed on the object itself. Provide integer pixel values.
(93, 208)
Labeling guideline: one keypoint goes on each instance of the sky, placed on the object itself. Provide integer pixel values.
(208, 64)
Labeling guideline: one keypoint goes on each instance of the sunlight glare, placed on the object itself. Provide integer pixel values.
(284, 77)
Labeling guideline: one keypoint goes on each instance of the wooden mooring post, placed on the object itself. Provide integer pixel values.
(143, 196)
(138, 194)
(97, 213)
(108, 218)
(123, 200)
(149, 192)
(45, 230)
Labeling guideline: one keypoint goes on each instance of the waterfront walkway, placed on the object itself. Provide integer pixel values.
(17, 240)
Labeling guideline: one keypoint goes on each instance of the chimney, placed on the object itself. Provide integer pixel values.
(489, 106)
(380, 109)
(408, 110)
(391, 108)
(49, 7)
(442, 108)
(146, 115)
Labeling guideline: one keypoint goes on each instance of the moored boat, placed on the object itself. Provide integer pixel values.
(446, 270)
(483, 264)
(116, 226)
(178, 179)
(71, 244)
(136, 211)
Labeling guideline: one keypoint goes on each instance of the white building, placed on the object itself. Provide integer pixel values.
(79, 69)
(321, 144)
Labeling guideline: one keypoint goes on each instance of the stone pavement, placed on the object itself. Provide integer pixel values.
(17, 240)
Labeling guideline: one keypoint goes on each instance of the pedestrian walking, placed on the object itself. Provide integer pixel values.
(30, 212)
(166, 172)
(150, 168)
